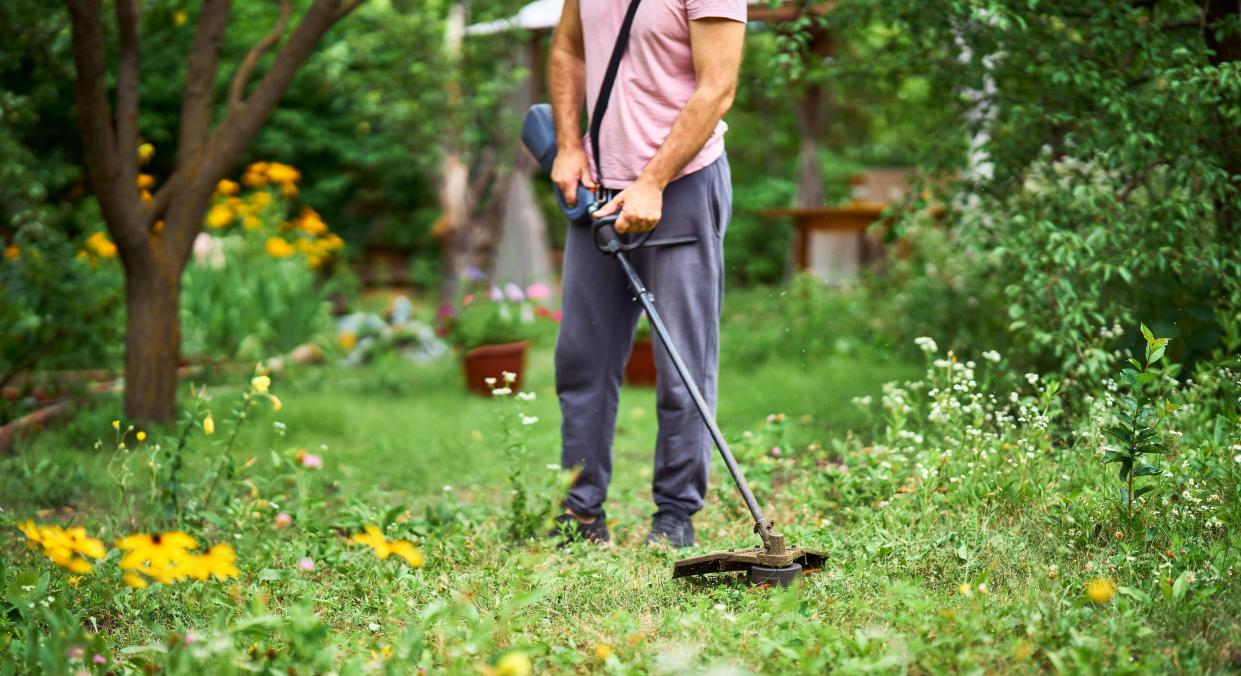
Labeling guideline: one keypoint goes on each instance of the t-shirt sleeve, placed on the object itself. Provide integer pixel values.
(716, 9)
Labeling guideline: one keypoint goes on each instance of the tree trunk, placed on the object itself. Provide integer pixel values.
(152, 340)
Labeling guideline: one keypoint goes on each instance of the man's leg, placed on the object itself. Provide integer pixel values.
(688, 283)
(595, 337)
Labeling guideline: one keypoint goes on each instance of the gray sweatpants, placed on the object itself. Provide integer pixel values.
(596, 334)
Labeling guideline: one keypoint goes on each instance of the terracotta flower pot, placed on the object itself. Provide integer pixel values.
(640, 370)
(491, 361)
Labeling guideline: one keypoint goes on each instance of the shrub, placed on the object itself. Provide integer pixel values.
(261, 278)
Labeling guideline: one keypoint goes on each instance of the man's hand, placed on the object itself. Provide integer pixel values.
(641, 206)
(570, 168)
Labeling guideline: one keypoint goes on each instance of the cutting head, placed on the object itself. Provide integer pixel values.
(749, 560)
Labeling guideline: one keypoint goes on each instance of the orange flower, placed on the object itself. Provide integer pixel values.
(278, 247)
(227, 187)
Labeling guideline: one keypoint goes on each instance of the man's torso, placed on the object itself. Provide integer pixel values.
(655, 80)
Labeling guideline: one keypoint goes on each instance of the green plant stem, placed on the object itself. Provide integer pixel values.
(228, 448)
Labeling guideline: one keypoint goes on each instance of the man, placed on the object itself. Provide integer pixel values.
(662, 165)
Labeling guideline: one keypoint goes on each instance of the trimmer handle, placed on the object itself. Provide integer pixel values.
(607, 239)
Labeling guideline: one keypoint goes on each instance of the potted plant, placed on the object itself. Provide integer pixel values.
(493, 330)
(640, 369)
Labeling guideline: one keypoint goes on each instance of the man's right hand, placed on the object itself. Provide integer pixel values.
(570, 168)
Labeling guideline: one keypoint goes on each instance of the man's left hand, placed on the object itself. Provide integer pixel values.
(641, 205)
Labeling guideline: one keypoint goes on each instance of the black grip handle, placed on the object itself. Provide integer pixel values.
(607, 239)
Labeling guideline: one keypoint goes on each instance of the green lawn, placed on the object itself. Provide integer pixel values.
(951, 549)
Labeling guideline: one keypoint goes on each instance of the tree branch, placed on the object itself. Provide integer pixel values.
(236, 91)
(99, 141)
(199, 95)
(230, 138)
(128, 97)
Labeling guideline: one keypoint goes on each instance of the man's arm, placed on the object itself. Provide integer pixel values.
(566, 80)
(717, 46)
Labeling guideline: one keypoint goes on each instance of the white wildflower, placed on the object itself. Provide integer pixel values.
(528, 419)
(509, 376)
(491, 382)
(926, 343)
(501, 391)
(1032, 378)
(991, 356)
(526, 396)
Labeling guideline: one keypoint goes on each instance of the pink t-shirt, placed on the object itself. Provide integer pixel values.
(655, 80)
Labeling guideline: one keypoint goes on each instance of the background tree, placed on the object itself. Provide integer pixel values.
(154, 232)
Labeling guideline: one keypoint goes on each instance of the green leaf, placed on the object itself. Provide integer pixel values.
(1146, 333)
(1180, 586)
(1119, 434)
(1113, 456)
(1125, 466)
(1143, 491)
(1146, 470)
(1156, 355)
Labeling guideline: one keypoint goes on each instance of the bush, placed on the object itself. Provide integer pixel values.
(261, 279)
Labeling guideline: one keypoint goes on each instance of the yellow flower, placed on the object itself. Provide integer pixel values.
(260, 384)
(219, 216)
(179, 18)
(348, 340)
(288, 190)
(116, 424)
(283, 173)
(602, 651)
(134, 581)
(276, 404)
(75, 580)
(260, 199)
(227, 187)
(333, 242)
(66, 548)
(1100, 590)
(145, 152)
(374, 538)
(100, 245)
(11, 252)
(515, 663)
(146, 181)
(406, 550)
(158, 556)
(219, 561)
(251, 222)
(209, 424)
(142, 436)
(278, 247)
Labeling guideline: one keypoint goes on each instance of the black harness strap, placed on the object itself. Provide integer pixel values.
(605, 89)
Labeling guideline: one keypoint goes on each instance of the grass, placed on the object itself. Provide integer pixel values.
(940, 562)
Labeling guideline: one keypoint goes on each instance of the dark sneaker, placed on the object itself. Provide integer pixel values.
(671, 528)
(569, 529)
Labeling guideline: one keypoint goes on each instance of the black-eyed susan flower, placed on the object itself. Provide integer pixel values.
(219, 561)
(156, 555)
(383, 547)
(68, 548)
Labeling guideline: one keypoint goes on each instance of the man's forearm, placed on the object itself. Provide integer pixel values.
(690, 132)
(566, 81)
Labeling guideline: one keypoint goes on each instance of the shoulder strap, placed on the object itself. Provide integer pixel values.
(605, 89)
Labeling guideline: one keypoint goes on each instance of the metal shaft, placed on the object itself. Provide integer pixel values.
(647, 299)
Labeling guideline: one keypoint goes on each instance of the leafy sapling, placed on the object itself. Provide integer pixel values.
(1140, 417)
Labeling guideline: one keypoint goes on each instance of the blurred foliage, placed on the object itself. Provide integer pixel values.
(60, 304)
(1097, 189)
